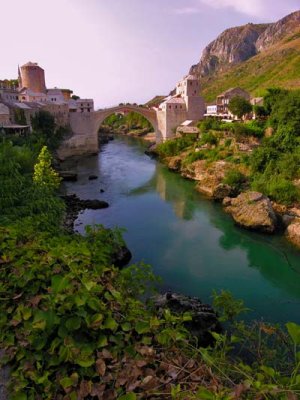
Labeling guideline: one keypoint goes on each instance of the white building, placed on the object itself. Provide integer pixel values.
(211, 110)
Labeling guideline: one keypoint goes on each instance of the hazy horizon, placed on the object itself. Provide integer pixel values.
(121, 50)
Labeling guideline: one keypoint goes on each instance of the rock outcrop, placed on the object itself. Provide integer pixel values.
(293, 232)
(203, 318)
(238, 44)
(74, 205)
(233, 46)
(252, 210)
(277, 31)
(209, 178)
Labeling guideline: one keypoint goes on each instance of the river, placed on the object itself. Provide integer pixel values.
(189, 240)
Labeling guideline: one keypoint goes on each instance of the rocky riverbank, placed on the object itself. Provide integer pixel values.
(250, 210)
(74, 205)
(202, 318)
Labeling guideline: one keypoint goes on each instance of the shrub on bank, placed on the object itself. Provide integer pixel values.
(174, 147)
(235, 179)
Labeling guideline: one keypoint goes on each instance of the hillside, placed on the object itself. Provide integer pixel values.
(252, 56)
(277, 66)
(232, 47)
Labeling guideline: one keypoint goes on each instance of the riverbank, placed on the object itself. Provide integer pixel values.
(225, 182)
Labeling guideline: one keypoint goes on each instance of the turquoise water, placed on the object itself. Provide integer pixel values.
(189, 240)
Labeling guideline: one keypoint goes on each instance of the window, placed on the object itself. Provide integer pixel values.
(170, 107)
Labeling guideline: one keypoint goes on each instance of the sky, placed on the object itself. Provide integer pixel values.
(120, 50)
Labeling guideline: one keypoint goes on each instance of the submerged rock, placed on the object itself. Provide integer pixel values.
(204, 319)
(174, 163)
(68, 176)
(92, 177)
(121, 257)
(252, 210)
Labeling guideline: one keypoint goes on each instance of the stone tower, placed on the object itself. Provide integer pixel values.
(189, 89)
(32, 77)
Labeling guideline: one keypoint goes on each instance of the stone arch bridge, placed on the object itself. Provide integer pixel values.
(85, 127)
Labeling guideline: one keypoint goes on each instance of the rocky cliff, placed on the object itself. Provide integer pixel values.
(236, 45)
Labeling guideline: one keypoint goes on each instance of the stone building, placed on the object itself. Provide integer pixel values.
(8, 93)
(27, 95)
(85, 105)
(186, 104)
(224, 98)
(32, 77)
(60, 113)
(4, 115)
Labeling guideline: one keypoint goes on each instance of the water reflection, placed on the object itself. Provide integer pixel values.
(273, 257)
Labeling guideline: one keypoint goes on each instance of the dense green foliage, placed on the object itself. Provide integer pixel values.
(175, 146)
(239, 106)
(45, 131)
(276, 163)
(235, 179)
(21, 199)
(63, 304)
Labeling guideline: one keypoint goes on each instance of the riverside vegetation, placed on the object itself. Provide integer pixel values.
(73, 326)
(251, 160)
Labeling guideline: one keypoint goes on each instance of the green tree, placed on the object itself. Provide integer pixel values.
(239, 106)
(273, 96)
(44, 175)
(20, 116)
(44, 122)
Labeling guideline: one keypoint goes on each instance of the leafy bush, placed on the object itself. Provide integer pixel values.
(209, 124)
(19, 197)
(239, 106)
(174, 147)
(209, 138)
(235, 179)
(276, 187)
(194, 156)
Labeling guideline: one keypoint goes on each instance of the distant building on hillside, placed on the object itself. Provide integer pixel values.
(211, 110)
(224, 98)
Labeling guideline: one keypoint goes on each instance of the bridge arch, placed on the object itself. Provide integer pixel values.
(148, 113)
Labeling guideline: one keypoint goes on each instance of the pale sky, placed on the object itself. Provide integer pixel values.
(120, 50)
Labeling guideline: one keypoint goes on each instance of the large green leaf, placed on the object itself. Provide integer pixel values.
(73, 323)
(110, 323)
(58, 283)
(294, 331)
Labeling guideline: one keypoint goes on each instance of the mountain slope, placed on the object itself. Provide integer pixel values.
(231, 47)
(278, 66)
(252, 56)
